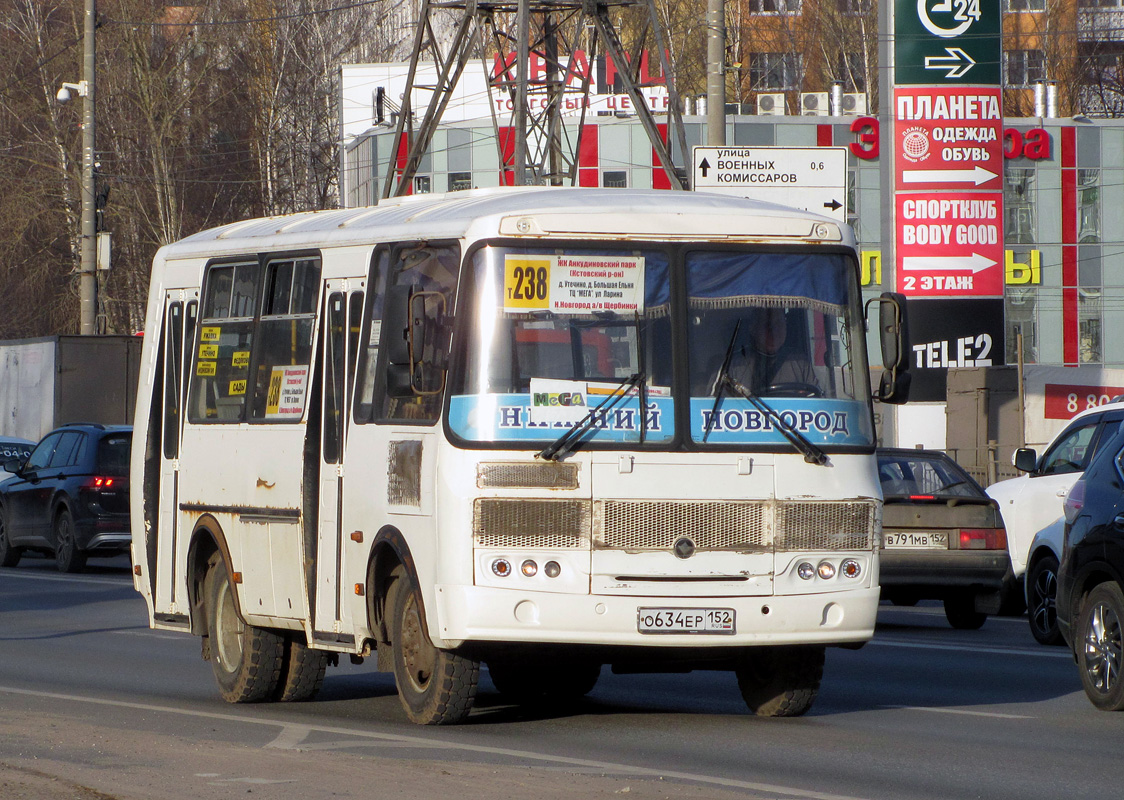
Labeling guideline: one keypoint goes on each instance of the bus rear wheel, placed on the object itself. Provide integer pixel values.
(302, 673)
(781, 681)
(436, 687)
(246, 660)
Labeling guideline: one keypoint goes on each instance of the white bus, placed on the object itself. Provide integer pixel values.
(545, 430)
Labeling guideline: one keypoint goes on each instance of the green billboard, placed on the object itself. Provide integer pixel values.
(947, 42)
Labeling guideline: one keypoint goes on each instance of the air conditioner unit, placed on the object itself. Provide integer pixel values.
(770, 104)
(854, 103)
(813, 104)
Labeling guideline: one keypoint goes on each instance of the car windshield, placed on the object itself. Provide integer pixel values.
(113, 454)
(924, 476)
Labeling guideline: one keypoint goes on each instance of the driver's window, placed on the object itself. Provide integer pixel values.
(41, 455)
(1069, 454)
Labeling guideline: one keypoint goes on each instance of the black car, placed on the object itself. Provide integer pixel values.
(1091, 576)
(69, 498)
(942, 537)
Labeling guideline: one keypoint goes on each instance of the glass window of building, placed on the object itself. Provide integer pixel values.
(459, 181)
(775, 71)
(615, 179)
(1025, 5)
(774, 6)
(1024, 67)
(1019, 205)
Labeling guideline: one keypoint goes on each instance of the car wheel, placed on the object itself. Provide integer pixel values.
(1099, 644)
(1042, 601)
(780, 681)
(9, 555)
(246, 660)
(960, 611)
(68, 558)
(436, 687)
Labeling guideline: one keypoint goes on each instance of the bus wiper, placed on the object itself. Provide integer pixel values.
(558, 449)
(812, 454)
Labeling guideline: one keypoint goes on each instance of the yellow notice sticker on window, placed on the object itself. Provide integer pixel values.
(206, 368)
(237, 387)
(240, 359)
(273, 397)
(526, 283)
(210, 334)
(208, 351)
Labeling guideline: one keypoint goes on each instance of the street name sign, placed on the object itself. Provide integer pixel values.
(810, 178)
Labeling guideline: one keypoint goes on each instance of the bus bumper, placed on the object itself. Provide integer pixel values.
(481, 614)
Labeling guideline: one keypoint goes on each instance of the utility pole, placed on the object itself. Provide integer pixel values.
(715, 72)
(88, 242)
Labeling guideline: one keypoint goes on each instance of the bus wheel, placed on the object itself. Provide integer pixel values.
(436, 687)
(536, 681)
(781, 681)
(302, 673)
(246, 660)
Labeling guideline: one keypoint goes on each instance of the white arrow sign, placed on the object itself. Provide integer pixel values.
(975, 263)
(976, 175)
(957, 62)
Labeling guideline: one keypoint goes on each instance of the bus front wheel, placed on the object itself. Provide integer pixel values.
(246, 660)
(436, 687)
(781, 681)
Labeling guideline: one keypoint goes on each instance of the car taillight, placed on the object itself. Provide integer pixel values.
(983, 539)
(1074, 501)
(101, 483)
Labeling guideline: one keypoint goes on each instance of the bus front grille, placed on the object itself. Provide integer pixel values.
(658, 524)
(745, 526)
(517, 523)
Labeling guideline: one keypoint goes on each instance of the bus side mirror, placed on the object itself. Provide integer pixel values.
(417, 340)
(893, 337)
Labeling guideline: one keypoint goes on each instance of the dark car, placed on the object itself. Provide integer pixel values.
(1091, 576)
(942, 537)
(69, 498)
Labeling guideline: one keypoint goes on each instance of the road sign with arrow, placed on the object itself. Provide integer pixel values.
(809, 178)
(946, 42)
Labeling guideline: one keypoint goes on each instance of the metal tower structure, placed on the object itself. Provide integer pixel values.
(551, 30)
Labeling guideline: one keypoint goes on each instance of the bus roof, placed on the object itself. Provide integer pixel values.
(532, 211)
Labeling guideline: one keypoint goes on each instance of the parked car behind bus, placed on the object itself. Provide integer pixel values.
(69, 498)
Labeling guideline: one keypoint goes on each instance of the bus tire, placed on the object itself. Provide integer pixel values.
(538, 682)
(68, 558)
(781, 681)
(302, 673)
(246, 660)
(436, 687)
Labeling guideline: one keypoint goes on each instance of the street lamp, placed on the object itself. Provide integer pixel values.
(87, 243)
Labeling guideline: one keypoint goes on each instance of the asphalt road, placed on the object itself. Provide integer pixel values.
(98, 706)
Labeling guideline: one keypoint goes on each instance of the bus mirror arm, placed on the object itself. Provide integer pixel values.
(893, 337)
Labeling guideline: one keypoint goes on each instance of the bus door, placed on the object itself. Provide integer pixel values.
(180, 309)
(340, 337)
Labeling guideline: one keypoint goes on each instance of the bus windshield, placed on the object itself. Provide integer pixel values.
(555, 332)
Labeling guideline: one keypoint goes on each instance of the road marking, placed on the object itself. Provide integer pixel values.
(17, 573)
(149, 633)
(961, 711)
(421, 741)
(1043, 652)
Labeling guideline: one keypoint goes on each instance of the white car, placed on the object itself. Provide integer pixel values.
(1031, 505)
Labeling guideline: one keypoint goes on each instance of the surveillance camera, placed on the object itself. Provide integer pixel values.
(63, 95)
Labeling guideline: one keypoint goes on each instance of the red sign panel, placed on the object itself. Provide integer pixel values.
(950, 244)
(948, 137)
(1064, 401)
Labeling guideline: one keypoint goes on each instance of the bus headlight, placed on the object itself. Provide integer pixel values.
(826, 570)
(501, 567)
(806, 571)
(529, 568)
(850, 568)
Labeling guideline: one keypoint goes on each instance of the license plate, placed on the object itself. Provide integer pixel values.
(685, 620)
(936, 540)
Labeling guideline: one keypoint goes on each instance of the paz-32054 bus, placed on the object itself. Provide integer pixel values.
(543, 430)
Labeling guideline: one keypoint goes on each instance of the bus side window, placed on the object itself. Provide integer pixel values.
(334, 345)
(222, 355)
(173, 373)
(432, 268)
(283, 362)
(368, 353)
(354, 326)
